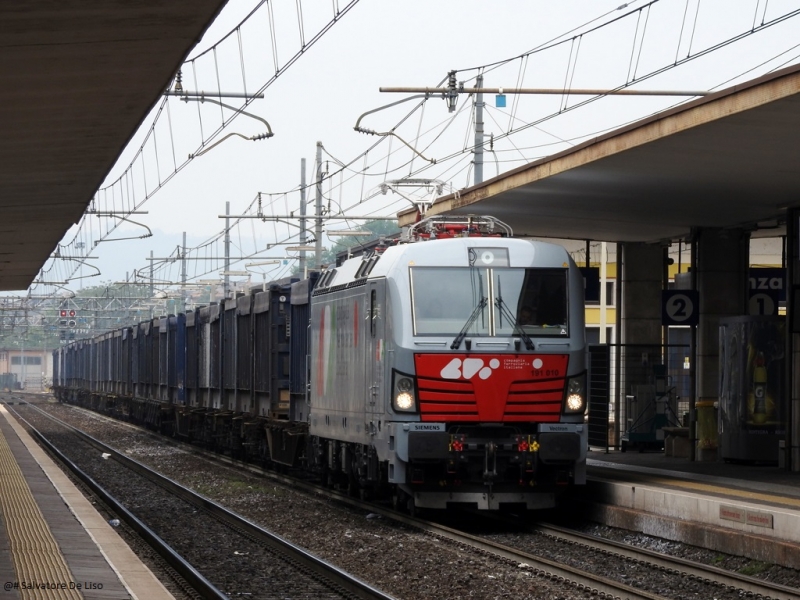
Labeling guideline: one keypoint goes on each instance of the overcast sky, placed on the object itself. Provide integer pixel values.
(413, 43)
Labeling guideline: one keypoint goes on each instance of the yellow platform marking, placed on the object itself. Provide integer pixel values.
(138, 580)
(37, 558)
(726, 491)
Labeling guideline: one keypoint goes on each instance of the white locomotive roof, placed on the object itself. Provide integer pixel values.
(453, 252)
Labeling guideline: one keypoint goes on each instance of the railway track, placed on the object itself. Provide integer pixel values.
(704, 581)
(708, 581)
(712, 578)
(751, 586)
(240, 557)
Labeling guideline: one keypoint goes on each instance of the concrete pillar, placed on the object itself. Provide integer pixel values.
(722, 284)
(641, 293)
(640, 335)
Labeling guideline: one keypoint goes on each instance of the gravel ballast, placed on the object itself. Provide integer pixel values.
(403, 562)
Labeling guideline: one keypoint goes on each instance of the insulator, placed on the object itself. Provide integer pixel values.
(452, 93)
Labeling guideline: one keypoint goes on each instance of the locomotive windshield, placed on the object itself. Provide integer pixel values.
(537, 298)
(533, 300)
(444, 298)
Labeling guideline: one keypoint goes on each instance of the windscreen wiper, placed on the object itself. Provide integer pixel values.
(500, 303)
(463, 333)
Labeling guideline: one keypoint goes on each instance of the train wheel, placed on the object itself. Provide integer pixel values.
(397, 499)
(352, 487)
(403, 502)
(412, 507)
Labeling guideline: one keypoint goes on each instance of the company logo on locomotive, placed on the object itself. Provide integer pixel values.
(467, 368)
(491, 388)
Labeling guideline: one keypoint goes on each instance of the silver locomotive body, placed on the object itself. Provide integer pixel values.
(453, 370)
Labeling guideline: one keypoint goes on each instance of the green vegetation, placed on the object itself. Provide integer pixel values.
(43, 324)
(754, 567)
(378, 228)
(236, 487)
(46, 323)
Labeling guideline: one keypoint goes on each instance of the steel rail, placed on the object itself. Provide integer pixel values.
(750, 585)
(759, 587)
(200, 584)
(333, 575)
(543, 567)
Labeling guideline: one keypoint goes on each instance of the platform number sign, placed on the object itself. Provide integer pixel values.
(764, 303)
(679, 307)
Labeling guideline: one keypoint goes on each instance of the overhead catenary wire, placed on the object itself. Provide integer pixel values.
(523, 68)
(149, 191)
(555, 40)
(364, 155)
(535, 123)
(640, 79)
(387, 167)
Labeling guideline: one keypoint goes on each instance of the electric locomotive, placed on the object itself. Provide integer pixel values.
(445, 369)
(453, 368)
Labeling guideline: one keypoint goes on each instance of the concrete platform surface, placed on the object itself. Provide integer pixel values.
(746, 509)
(100, 564)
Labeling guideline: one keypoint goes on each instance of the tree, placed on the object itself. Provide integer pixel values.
(378, 229)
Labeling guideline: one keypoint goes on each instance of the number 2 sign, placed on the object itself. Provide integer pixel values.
(679, 307)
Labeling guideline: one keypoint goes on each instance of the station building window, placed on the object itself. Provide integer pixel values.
(611, 296)
(593, 335)
(29, 360)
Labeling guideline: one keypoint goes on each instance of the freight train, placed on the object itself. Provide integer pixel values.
(448, 368)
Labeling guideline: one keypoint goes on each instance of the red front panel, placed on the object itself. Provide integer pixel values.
(491, 388)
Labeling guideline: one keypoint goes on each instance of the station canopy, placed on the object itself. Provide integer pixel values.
(78, 79)
(730, 159)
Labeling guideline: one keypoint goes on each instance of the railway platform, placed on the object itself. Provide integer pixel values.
(740, 508)
(53, 543)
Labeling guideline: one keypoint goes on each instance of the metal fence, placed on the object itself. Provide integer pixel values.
(644, 387)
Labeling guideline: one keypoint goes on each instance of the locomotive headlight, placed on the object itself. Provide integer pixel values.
(404, 401)
(403, 398)
(575, 401)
